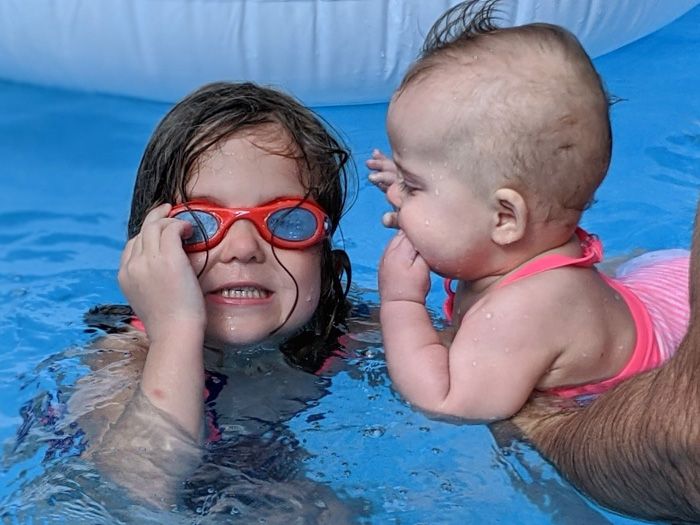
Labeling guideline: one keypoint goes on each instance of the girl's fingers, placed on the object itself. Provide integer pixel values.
(126, 252)
(164, 232)
(157, 213)
(173, 233)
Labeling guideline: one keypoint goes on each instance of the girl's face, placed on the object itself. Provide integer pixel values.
(248, 293)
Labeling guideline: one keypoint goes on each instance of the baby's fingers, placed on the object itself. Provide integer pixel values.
(383, 170)
(401, 248)
(390, 219)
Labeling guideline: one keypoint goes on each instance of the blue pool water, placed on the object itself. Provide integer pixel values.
(68, 165)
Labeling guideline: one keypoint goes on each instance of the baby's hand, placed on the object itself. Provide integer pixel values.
(157, 278)
(383, 175)
(383, 170)
(403, 273)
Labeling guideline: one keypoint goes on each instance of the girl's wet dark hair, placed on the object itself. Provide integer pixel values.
(212, 114)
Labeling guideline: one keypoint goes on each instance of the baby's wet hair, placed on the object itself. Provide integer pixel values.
(214, 113)
(540, 94)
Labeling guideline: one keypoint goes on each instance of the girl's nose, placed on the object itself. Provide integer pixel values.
(243, 243)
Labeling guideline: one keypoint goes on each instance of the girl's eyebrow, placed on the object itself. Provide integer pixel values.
(204, 197)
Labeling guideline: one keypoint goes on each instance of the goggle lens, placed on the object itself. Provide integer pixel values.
(292, 224)
(204, 226)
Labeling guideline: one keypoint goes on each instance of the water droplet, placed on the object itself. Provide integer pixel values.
(489, 315)
(374, 431)
(446, 486)
(437, 192)
(427, 222)
(473, 363)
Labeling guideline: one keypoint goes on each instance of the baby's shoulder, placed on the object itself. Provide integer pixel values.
(544, 299)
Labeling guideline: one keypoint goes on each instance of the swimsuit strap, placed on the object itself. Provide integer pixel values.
(449, 304)
(592, 250)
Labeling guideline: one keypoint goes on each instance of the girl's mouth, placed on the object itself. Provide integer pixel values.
(244, 292)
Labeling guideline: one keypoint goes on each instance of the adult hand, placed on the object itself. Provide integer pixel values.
(157, 278)
(403, 273)
(383, 175)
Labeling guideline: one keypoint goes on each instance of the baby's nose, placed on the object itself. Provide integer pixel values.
(393, 195)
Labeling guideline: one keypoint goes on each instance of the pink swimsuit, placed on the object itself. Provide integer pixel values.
(655, 289)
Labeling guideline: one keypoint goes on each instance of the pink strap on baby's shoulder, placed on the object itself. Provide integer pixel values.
(592, 250)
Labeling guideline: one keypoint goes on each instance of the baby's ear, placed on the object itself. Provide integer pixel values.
(510, 219)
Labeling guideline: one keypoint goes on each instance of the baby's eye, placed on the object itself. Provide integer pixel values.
(406, 188)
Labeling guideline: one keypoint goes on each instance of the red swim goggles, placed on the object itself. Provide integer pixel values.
(288, 222)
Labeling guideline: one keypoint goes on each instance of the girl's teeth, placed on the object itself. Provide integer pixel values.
(244, 293)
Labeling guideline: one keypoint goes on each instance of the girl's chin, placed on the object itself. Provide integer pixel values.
(239, 338)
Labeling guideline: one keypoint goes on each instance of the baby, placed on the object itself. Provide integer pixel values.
(500, 138)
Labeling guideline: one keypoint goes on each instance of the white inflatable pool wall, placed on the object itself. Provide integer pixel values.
(323, 51)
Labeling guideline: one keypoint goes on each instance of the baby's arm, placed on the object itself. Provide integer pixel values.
(159, 281)
(493, 363)
(416, 359)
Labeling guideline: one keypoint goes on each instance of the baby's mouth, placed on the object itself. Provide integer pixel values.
(244, 292)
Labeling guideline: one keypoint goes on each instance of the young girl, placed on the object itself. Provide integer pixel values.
(514, 139)
(229, 260)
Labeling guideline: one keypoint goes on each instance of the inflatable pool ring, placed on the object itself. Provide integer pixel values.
(323, 51)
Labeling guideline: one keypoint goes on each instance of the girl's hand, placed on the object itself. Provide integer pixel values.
(157, 278)
(403, 273)
(383, 175)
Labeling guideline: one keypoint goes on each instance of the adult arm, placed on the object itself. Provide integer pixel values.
(636, 449)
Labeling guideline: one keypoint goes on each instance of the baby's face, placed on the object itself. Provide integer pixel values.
(246, 283)
(444, 215)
